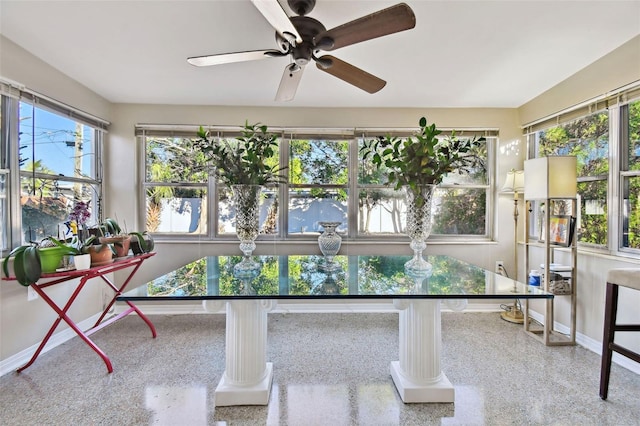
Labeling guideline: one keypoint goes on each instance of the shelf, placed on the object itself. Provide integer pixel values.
(561, 281)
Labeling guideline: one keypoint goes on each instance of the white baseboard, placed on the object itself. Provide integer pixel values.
(21, 358)
(591, 344)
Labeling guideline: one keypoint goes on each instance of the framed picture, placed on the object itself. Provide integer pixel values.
(561, 230)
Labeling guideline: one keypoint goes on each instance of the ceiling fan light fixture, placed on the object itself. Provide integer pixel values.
(324, 62)
(294, 67)
(325, 43)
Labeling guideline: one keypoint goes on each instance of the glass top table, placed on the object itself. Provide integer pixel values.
(249, 296)
(348, 277)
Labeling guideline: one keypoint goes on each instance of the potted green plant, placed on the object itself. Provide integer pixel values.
(27, 267)
(112, 234)
(245, 164)
(417, 164)
(141, 242)
(247, 160)
(32, 260)
(79, 249)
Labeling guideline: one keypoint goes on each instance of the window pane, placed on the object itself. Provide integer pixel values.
(309, 206)
(369, 174)
(592, 226)
(459, 211)
(587, 138)
(634, 136)
(4, 212)
(631, 213)
(174, 160)
(176, 209)
(318, 162)
(46, 204)
(456, 211)
(477, 174)
(53, 144)
(269, 207)
(380, 211)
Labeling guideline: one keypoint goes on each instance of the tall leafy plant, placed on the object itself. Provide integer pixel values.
(247, 160)
(423, 158)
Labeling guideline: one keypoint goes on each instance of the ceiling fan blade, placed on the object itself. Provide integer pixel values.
(227, 58)
(383, 22)
(277, 17)
(351, 74)
(289, 83)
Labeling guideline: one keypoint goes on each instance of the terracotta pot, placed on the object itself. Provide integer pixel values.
(100, 254)
(120, 244)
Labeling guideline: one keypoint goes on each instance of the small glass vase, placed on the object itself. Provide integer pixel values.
(329, 242)
(418, 225)
(246, 199)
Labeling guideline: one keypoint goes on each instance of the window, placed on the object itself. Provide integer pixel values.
(326, 181)
(4, 180)
(318, 183)
(58, 166)
(460, 202)
(630, 175)
(49, 159)
(587, 138)
(604, 135)
(175, 186)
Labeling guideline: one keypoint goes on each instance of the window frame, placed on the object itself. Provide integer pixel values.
(351, 135)
(10, 98)
(623, 173)
(616, 104)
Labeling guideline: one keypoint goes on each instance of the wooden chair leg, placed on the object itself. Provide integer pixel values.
(610, 310)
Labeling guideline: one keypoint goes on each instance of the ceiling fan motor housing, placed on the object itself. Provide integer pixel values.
(308, 28)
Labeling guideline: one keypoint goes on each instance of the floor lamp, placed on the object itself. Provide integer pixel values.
(514, 184)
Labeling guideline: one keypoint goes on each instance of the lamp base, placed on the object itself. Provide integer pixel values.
(513, 315)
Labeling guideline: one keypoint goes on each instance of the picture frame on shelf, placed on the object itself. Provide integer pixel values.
(561, 229)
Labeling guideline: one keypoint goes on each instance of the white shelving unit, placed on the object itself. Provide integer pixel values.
(565, 287)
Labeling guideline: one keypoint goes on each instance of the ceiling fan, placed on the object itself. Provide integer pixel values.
(303, 37)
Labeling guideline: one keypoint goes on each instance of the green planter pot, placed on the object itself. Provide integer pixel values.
(51, 257)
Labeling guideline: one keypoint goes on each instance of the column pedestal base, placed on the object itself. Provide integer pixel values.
(440, 391)
(257, 394)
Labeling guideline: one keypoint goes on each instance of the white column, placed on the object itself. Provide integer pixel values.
(247, 377)
(418, 375)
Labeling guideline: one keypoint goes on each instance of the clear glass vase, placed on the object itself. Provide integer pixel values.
(329, 242)
(246, 199)
(418, 225)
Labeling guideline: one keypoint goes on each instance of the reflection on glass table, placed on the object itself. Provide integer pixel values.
(303, 276)
(250, 296)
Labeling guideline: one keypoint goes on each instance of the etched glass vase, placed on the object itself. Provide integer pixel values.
(246, 199)
(329, 242)
(418, 224)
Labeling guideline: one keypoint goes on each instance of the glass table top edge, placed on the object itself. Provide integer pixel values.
(351, 277)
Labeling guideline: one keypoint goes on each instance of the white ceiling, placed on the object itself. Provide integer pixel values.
(460, 54)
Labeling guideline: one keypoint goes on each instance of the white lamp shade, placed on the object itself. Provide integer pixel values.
(550, 177)
(514, 181)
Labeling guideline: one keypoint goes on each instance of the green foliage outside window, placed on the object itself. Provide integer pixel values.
(587, 138)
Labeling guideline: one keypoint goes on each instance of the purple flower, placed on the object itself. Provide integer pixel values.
(80, 213)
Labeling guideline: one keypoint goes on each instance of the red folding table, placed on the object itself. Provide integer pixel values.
(52, 279)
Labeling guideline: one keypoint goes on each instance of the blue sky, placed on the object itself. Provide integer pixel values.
(54, 140)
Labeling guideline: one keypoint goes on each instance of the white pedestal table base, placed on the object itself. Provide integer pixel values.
(417, 375)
